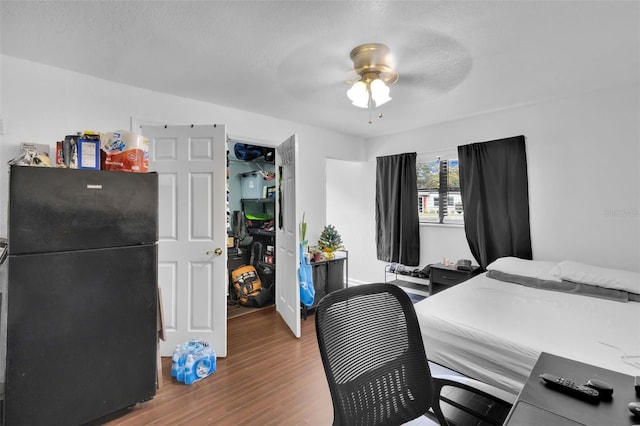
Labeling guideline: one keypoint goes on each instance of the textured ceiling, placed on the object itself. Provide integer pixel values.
(290, 59)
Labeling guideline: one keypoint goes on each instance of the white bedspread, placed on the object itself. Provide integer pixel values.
(494, 331)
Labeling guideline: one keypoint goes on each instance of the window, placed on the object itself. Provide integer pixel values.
(439, 199)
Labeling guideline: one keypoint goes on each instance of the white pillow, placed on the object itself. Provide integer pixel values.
(526, 268)
(594, 275)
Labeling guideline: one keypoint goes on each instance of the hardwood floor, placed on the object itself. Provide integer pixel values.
(268, 378)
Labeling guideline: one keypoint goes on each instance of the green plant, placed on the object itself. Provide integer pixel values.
(303, 231)
(330, 239)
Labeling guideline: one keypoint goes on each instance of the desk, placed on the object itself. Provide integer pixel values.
(328, 275)
(539, 405)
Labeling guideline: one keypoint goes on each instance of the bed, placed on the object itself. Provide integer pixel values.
(494, 326)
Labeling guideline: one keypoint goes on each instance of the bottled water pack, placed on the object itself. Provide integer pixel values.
(192, 361)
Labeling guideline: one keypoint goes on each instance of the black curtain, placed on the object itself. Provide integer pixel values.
(495, 196)
(397, 223)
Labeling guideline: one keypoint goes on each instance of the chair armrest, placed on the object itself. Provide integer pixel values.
(473, 385)
(492, 408)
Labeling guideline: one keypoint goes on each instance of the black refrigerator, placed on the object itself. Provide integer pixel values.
(82, 294)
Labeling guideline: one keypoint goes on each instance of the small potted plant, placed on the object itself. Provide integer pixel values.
(329, 241)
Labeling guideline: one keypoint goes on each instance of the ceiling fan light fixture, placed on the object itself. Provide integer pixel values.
(359, 94)
(379, 92)
(372, 62)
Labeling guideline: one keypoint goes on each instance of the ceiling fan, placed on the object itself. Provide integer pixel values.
(421, 64)
(372, 63)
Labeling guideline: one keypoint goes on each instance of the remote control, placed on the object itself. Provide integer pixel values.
(568, 387)
(604, 389)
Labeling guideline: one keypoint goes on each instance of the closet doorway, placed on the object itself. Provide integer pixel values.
(251, 209)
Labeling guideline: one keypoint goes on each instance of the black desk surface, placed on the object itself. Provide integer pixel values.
(539, 405)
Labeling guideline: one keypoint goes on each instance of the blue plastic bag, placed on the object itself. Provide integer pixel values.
(305, 277)
(246, 152)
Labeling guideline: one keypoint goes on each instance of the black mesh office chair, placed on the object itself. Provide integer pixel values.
(375, 363)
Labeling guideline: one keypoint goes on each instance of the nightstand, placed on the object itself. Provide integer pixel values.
(446, 276)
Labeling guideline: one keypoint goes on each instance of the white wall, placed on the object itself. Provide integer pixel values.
(584, 179)
(42, 104)
(348, 208)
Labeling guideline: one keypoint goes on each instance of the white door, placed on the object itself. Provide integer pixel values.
(287, 257)
(192, 254)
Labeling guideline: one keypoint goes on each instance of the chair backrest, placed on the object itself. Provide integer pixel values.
(373, 356)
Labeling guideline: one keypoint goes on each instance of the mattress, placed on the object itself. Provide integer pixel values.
(494, 331)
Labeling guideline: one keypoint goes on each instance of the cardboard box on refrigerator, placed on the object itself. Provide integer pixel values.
(38, 153)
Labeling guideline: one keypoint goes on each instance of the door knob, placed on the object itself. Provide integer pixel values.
(217, 251)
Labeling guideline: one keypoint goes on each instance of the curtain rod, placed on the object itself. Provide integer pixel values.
(439, 152)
